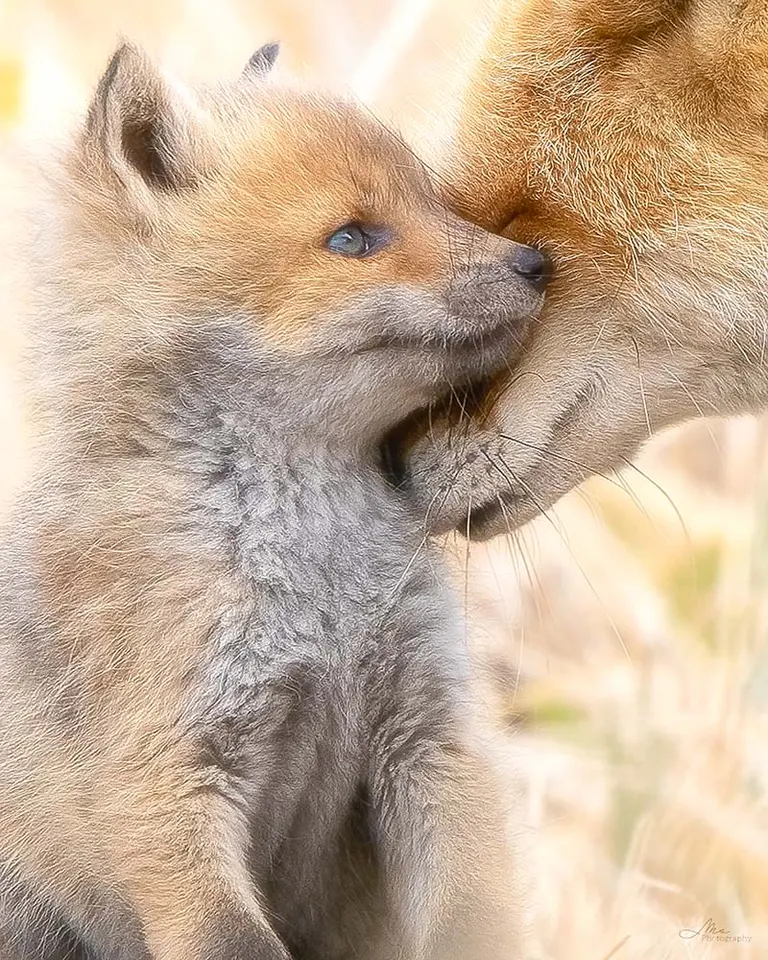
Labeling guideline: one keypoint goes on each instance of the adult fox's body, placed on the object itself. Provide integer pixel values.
(236, 722)
(630, 139)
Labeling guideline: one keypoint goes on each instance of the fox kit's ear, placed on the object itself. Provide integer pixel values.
(146, 130)
(262, 61)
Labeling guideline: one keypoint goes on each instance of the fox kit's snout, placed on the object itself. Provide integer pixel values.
(237, 718)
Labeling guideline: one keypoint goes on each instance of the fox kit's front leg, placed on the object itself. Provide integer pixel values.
(442, 819)
(185, 867)
(448, 862)
(159, 871)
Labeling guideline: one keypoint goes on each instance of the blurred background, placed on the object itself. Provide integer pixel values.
(621, 640)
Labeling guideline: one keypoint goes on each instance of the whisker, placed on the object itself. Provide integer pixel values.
(642, 388)
(558, 530)
(590, 471)
(539, 594)
(615, 480)
(466, 567)
(657, 486)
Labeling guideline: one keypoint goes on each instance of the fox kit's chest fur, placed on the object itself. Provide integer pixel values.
(335, 618)
(331, 589)
(329, 568)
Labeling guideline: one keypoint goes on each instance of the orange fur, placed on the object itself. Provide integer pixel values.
(629, 138)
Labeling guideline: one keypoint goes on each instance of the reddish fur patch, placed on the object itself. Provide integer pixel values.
(310, 171)
(599, 122)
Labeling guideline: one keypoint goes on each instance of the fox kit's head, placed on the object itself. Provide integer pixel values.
(629, 138)
(295, 236)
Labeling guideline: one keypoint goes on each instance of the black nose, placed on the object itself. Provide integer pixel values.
(534, 265)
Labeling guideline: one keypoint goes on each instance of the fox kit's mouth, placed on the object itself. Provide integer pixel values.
(473, 361)
(396, 445)
(393, 461)
(505, 334)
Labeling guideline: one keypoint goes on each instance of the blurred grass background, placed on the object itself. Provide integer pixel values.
(621, 640)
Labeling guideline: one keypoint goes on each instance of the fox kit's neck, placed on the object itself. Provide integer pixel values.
(260, 462)
(236, 435)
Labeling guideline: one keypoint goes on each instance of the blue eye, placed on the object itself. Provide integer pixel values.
(352, 240)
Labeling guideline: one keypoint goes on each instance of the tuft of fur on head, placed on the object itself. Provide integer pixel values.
(628, 137)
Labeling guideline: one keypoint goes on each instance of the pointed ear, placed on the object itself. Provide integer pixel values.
(262, 61)
(147, 131)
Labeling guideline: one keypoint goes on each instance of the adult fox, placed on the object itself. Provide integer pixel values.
(629, 138)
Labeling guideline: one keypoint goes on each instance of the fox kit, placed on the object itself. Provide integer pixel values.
(628, 137)
(236, 722)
